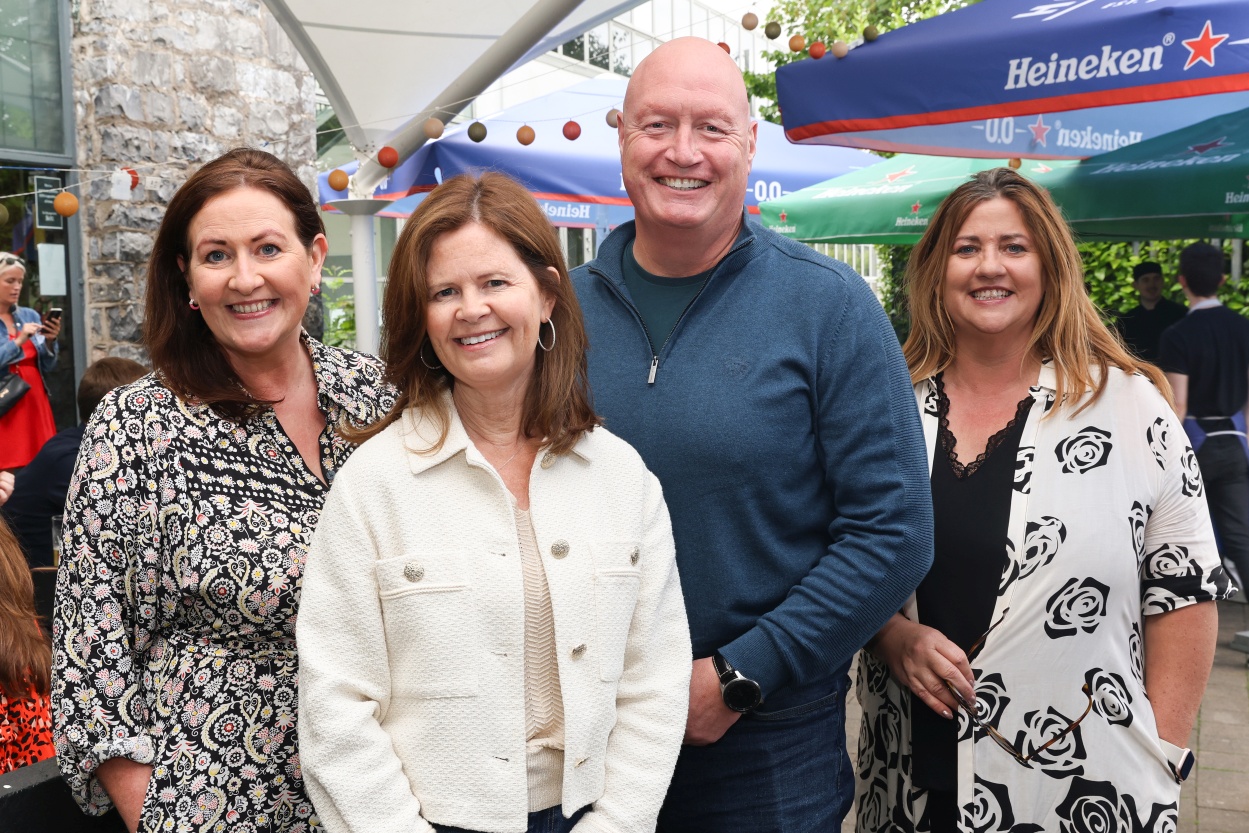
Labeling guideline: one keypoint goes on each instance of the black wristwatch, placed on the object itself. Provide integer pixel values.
(740, 693)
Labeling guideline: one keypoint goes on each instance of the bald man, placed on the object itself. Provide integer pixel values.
(764, 386)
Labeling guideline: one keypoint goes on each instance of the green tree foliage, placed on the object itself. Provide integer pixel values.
(1108, 275)
(893, 287)
(340, 309)
(828, 21)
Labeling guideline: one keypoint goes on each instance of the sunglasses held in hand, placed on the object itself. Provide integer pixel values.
(1000, 740)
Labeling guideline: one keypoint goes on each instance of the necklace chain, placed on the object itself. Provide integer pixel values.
(510, 459)
(505, 464)
(480, 439)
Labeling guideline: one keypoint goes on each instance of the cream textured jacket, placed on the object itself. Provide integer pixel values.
(411, 637)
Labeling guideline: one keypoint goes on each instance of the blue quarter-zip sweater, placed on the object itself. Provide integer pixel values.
(780, 419)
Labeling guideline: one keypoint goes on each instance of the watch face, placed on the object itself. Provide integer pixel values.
(741, 695)
(1186, 766)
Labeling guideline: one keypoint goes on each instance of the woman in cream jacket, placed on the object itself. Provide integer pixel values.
(492, 636)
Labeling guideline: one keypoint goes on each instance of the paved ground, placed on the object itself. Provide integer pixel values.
(1216, 798)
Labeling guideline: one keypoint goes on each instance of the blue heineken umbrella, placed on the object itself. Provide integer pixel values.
(1026, 78)
(579, 182)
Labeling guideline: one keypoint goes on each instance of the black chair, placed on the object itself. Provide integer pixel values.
(34, 799)
(45, 592)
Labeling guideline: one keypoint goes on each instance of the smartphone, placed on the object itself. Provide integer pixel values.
(54, 314)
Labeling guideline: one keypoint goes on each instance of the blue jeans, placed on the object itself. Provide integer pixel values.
(783, 769)
(543, 821)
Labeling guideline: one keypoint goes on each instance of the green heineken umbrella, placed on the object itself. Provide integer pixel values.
(889, 202)
(1192, 182)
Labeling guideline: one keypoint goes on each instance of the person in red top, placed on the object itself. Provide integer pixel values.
(25, 665)
(29, 351)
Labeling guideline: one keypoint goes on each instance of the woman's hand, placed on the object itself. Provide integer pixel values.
(51, 328)
(126, 782)
(6, 486)
(923, 660)
(25, 331)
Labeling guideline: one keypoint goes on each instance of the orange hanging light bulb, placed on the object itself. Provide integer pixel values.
(65, 204)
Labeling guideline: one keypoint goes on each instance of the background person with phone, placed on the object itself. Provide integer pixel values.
(29, 351)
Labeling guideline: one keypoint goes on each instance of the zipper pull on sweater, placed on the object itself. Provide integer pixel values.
(650, 380)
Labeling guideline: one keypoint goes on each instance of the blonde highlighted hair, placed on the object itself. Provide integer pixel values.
(1068, 329)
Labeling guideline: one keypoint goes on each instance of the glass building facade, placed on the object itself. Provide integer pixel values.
(37, 154)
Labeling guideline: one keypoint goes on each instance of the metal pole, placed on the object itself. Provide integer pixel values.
(364, 269)
(364, 275)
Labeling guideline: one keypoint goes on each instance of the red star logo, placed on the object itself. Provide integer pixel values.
(915, 208)
(782, 216)
(1205, 146)
(896, 175)
(1039, 130)
(1201, 48)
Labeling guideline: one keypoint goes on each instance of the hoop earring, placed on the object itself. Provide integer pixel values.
(547, 348)
(193, 304)
(316, 290)
(428, 366)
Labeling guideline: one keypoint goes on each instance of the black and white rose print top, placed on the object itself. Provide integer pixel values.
(1108, 524)
(176, 600)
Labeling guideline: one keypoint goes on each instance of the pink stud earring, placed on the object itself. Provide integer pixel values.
(316, 289)
(193, 304)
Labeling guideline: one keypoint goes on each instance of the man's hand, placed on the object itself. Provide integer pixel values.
(708, 718)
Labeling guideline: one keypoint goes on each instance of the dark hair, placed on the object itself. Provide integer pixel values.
(1201, 264)
(100, 377)
(1068, 329)
(557, 404)
(1145, 267)
(184, 351)
(25, 658)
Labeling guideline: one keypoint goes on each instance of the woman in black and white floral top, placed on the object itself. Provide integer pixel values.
(197, 490)
(1075, 564)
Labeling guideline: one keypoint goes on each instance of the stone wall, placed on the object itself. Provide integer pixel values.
(163, 86)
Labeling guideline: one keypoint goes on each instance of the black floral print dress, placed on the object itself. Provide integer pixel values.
(174, 629)
(1108, 525)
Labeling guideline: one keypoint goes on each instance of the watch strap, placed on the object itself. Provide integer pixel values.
(723, 669)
